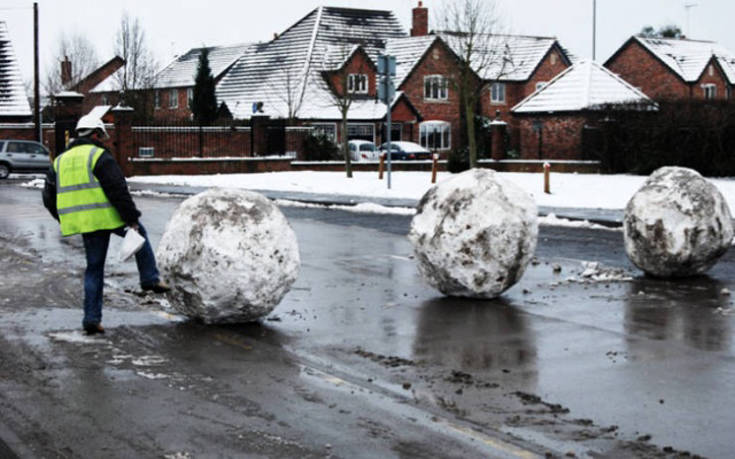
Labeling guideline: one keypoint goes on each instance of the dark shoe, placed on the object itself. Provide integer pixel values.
(93, 329)
(158, 287)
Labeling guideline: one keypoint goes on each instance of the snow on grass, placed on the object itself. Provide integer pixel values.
(363, 207)
(594, 191)
(552, 220)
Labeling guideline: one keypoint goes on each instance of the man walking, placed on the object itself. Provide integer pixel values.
(86, 192)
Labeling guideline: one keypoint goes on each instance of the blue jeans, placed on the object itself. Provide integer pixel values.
(95, 248)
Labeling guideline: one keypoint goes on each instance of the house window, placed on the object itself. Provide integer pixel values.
(189, 97)
(157, 99)
(711, 70)
(173, 98)
(497, 93)
(710, 91)
(105, 99)
(436, 88)
(553, 58)
(540, 84)
(435, 135)
(360, 131)
(146, 152)
(357, 83)
(329, 130)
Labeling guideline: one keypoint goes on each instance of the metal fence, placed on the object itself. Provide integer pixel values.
(177, 139)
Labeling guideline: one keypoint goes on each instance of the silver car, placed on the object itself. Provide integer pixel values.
(22, 156)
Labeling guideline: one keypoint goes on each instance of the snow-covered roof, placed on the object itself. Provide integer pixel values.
(584, 86)
(408, 52)
(688, 58)
(289, 67)
(111, 83)
(13, 100)
(508, 57)
(182, 71)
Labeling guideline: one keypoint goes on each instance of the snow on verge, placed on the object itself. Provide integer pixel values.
(230, 256)
(474, 234)
(678, 224)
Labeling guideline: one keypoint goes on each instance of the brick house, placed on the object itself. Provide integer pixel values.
(552, 121)
(173, 86)
(669, 68)
(14, 105)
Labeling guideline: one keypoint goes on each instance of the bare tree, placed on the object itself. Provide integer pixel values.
(82, 55)
(348, 81)
(287, 84)
(474, 30)
(137, 76)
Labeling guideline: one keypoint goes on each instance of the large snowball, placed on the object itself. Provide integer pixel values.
(677, 224)
(229, 255)
(474, 234)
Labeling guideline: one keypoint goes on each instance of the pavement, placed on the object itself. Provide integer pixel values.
(605, 217)
(362, 358)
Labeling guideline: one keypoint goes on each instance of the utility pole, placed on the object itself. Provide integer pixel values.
(594, 29)
(36, 92)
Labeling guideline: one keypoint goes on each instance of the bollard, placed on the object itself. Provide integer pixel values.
(434, 167)
(547, 186)
(380, 166)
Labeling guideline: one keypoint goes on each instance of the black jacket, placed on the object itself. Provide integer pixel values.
(111, 179)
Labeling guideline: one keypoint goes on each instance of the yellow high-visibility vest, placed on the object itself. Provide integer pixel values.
(81, 203)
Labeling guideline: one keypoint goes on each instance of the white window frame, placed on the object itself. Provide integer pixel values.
(189, 97)
(371, 125)
(541, 84)
(156, 99)
(497, 97)
(357, 83)
(329, 129)
(710, 91)
(436, 88)
(173, 98)
(442, 128)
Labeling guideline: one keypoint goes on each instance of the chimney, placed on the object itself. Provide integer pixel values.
(420, 26)
(65, 71)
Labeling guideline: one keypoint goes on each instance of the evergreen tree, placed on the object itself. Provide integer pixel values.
(204, 102)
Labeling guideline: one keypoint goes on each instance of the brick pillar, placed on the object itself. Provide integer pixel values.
(259, 133)
(67, 111)
(497, 149)
(123, 138)
(420, 25)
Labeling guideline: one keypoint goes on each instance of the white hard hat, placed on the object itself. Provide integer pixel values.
(87, 124)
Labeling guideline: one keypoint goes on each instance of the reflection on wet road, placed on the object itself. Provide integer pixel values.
(560, 360)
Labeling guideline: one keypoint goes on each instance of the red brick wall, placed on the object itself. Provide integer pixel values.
(562, 137)
(359, 63)
(27, 131)
(181, 112)
(437, 61)
(641, 69)
(169, 142)
(200, 167)
(716, 78)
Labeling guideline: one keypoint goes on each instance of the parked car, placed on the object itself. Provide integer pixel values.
(406, 150)
(363, 150)
(22, 156)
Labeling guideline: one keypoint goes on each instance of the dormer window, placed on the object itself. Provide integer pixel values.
(357, 83)
(436, 87)
(710, 91)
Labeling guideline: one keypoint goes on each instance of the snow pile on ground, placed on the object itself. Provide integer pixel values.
(363, 207)
(678, 224)
(35, 183)
(552, 220)
(474, 234)
(230, 256)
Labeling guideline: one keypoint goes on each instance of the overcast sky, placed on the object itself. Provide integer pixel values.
(174, 26)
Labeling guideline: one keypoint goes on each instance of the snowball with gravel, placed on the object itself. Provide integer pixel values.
(474, 234)
(677, 224)
(229, 255)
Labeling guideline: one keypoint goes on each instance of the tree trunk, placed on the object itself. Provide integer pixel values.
(469, 111)
(345, 149)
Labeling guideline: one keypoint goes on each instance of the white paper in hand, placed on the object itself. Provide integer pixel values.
(132, 242)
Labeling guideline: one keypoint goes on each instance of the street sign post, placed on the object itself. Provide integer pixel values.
(386, 93)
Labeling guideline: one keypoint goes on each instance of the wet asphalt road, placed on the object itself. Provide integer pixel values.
(362, 359)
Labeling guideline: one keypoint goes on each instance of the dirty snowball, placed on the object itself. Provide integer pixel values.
(677, 224)
(230, 256)
(474, 234)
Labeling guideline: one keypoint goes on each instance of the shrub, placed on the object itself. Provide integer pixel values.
(458, 160)
(319, 147)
